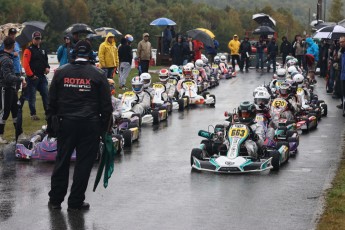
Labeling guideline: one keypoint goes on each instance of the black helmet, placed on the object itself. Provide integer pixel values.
(246, 111)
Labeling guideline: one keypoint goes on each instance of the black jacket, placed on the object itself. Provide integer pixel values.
(125, 53)
(39, 60)
(245, 47)
(79, 91)
(285, 47)
(260, 47)
(178, 53)
(7, 76)
(272, 49)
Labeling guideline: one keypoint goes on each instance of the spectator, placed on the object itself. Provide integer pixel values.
(341, 62)
(245, 51)
(272, 51)
(64, 51)
(173, 33)
(12, 32)
(312, 51)
(285, 48)
(178, 52)
(299, 49)
(260, 47)
(234, 46)
(198, 46)
(8, 85)
(323, 59)
(333, 81)
(108, 55)
(125, 56)
(35, 63)
(190, 45)
(167, 38)
(82, 117)
(144, 54)
(212, 51)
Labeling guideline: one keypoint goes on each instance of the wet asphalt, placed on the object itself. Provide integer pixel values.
(153, 186)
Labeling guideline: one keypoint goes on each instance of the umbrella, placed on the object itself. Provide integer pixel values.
(264, 30)
(25, 35)
(207, 31)
(4, 29)
(324, 24)
(19, 123)
(201, 36)
(264, 19)
(106, 161)
(103, 31)
(79, 28)
(163, 22)
(330, 32)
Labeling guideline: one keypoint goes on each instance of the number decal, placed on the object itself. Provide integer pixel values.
(129, 94)
(195, 71)
(189, 83)
(279, 103)
(278, 83)
(238, 132)
(259, 118)
(157, 86)
(214, 66)
(299, 90)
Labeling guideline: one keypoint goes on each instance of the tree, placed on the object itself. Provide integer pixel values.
(335, 11)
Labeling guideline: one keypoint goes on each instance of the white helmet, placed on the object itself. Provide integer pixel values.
(281, 74)
(216, 59)
(187, 72)
(163, 75)
(203, 56)
(292, 69)
(259, 88)
(137, 84)
(298, 78)
(146, 78)
(262, 100)
(199, 64)
(204, 59)
(223, 58)
(174, 70)
(190, 65)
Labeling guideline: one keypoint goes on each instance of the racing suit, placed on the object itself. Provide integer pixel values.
(117, 108)
(169, 92)
(143, 104)
(253, 144)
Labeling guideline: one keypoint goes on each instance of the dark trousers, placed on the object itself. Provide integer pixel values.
(84, 137)
(259, 60)
(8, 104)
(109, 72)
(41, 85)
(244, 59)
(323, 68)
(144, 65)
(300, 60)
(233, 58)
(284, 57)
(272, 59)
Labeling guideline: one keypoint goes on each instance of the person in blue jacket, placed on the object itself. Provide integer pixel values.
(212, 51)
(64, 51)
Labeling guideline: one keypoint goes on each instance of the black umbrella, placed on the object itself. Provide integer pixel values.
(264, 19)
(25, 35)
(103, 31)
(264, 30)
(201, 36)
(330, 32)
(79, 28)
(19, 123)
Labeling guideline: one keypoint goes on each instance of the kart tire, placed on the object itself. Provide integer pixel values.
(197, 153)
(127, 137)
(307, 122)
(325, 109)
(120, 145)
(204, 94)
(133, 125)
(187, 100)
(275, 160)
(290, 133)
(155, 116)
(180, 104)
(279, 144)
(213, 104)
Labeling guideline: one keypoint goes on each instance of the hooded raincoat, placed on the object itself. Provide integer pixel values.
(312, 48)
(108, 53)
(234, 46)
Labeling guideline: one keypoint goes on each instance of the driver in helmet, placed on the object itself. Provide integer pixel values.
(146, 78)
(199, 65)
(186, 76)
(216, 60)
(116, 103)
(174, 71)
(299, 81)
(246, 115)
(285, 93)
(144, 102)
(278, 78)
(170, 89)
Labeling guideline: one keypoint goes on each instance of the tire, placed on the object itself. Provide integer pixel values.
(187, 100)
(133, 125)
(127, 137)
(306, 130)
(155, 116)
(25, 142)
(204, 94)
(290, 133)
(325, 109)
(279, 144)
(213, 104)
(275, 160)
(197, 153)
(180, 104)
(119, 138)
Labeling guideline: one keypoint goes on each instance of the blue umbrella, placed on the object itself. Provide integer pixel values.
(163, 22)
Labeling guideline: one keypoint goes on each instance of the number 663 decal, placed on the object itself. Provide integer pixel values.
(238, 132)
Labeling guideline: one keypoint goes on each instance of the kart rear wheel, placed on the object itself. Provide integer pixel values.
(127, 137)
(307, 123)
(120, 143)
(325, 109)
(180, 104)
(197, 153)
(213, 104)
(155, 116)
(275, 160)
(204, 94)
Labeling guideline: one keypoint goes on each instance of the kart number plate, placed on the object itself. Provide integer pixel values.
(259, 118)
(129, 94)
(279, 103)
(238, 132)
(189, 83)
(214, 66)
(278, 83)
(195, 72)
(158, 86)
(299, 90)
(172, 81)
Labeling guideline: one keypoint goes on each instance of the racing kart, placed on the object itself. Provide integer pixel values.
(202, 84)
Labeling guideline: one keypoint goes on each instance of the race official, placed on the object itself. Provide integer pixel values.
(8, 85)
(35, 63)
(79, 110)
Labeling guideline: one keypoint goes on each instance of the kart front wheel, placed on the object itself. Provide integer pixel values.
(180, 104)
(214, 103)
(275, 160)
(127, 137)
(197, 153)
(324, 106)
(155, 116)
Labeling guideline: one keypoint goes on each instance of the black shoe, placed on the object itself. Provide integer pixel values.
(54, 206)
(85, 206)
(340, 106)
(247, 70)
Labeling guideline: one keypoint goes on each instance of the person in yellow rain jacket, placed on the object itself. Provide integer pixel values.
(234, 46)
(108, 55)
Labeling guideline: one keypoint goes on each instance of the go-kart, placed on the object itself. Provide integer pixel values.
(227, 72)
(202, 84)
(160, 107)
(188, 93)
(215, 71)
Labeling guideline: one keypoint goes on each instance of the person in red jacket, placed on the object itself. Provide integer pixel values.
(35, 63)
(198, 46)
